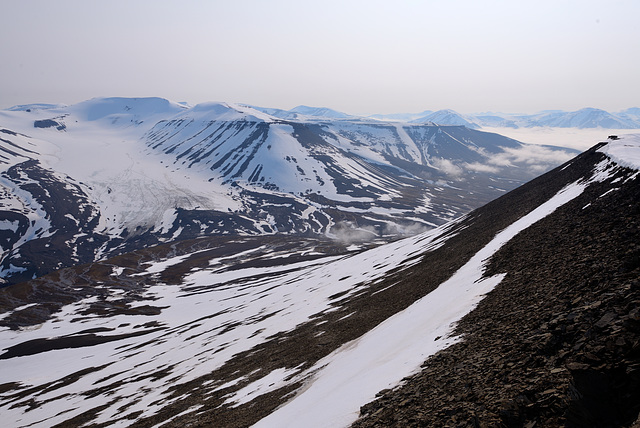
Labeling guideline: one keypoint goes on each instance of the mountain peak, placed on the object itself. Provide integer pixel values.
(319, 112)
(448, 117)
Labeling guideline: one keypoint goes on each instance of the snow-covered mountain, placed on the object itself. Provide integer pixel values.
(447, 117)
(400, 117)
(307, 113)
(633, 112)
(296, 331)
(581, 119)
(584, 118)
(494, 120)
(110, 175)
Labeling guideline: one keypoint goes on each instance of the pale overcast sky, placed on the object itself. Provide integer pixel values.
(360, 57)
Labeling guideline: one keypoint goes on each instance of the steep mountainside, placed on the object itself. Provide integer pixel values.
(557, 342)
(108, 176)
(232, 331)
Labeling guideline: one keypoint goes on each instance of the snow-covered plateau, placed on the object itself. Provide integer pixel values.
(106, 176)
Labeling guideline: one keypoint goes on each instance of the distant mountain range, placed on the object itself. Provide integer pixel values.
(111, 175)
(583, 118)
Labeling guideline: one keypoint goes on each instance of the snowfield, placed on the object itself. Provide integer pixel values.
(97, 149)
(90, 176)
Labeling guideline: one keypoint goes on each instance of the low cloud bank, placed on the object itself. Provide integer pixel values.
(531, 155)
(350, 233)
(447, 167)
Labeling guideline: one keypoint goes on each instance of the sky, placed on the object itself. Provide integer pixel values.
(359, 57)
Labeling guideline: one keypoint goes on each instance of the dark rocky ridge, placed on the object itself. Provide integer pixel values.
(557, 343)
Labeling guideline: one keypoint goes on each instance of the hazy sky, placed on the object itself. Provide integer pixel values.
(360, 57)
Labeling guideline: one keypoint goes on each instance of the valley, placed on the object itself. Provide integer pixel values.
(112, 175)
(225, 330)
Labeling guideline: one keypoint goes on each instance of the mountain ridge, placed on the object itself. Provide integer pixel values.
(553, 344)
(585, 118)
(154, 171)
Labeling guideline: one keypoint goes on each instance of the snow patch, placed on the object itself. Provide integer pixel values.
(11, 225)
(625, 151)
(270, 382)
(167, 220)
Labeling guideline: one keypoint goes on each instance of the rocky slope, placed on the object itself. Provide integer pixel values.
(557, 343)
